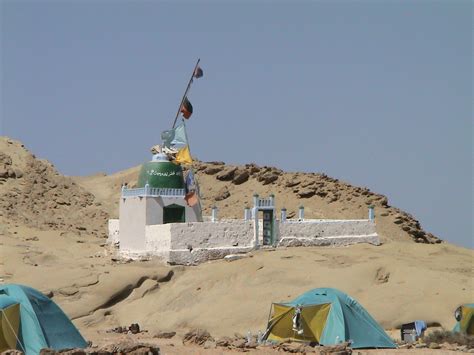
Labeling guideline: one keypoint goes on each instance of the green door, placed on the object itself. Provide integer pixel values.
(173, 214)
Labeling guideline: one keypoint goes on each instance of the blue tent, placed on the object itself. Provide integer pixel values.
(465, 319)
(326, 316)
(30, 321)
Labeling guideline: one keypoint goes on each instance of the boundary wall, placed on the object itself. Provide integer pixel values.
(195, 242)
(321, 232)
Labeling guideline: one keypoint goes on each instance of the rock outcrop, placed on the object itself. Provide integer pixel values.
(34, 193)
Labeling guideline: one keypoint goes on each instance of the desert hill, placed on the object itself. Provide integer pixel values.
(51, 238)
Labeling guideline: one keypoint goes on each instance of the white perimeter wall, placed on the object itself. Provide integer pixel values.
(326, 232)
(132, 223)
(158, 240)
(326, 228)
(196, 242)
(212, 234)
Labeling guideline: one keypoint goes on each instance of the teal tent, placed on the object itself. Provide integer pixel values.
(30, 321)
(465, 319)
(326, 316)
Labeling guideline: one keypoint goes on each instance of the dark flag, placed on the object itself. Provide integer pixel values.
(186, 108)
(198, 73)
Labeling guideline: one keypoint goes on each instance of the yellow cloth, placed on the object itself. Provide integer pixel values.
(313, 322)
(183, 156)
(467, 320)
(9, 327)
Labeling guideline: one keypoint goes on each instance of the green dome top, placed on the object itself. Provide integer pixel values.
(161, 173)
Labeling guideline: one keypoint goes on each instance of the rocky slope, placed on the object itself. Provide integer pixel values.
(33, 193)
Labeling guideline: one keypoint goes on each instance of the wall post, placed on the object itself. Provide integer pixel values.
(214, 214)
(301, 213)
(246, 213)
(371, 213)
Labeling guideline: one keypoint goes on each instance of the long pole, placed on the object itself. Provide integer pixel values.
(186, 92)
(185, 133)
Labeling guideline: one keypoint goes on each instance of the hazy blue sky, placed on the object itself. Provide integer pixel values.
(378, 94)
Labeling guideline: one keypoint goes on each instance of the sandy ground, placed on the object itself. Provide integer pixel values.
(396, 282)
(175, 346)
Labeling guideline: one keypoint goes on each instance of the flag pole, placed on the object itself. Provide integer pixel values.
(186, 92)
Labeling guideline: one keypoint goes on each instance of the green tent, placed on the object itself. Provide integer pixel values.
(326, 316)
(30, 321)
(465, 319)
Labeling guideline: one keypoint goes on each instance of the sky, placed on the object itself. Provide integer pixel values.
(377, 94)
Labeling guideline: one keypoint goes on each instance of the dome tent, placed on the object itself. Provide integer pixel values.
(465, 319)
(326, 316)
(30, 321)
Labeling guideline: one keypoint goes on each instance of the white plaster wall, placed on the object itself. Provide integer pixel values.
(154, 210)
(325, 228)
(194, 213)
(235, 233)
(341, 240)
(156, 204)
(132, 223)
(138, 212)
(195, 242)
(114, 231)
(158, 240)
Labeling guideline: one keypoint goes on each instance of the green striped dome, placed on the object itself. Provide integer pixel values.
(161, 173)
